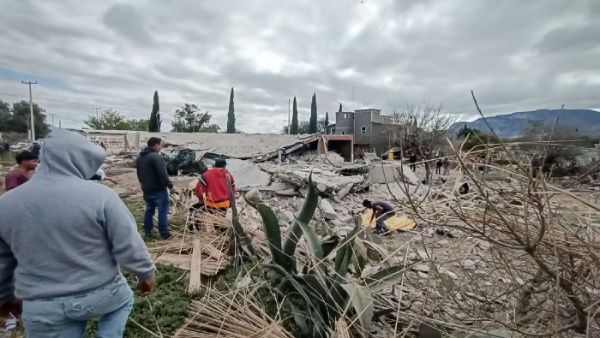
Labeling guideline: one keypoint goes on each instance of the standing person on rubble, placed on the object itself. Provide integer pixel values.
(381, 212)
(63, 240)
(216, 185)
(413, 160)
(153, 176)
(446, 165)
(26, 164)
(438, 166)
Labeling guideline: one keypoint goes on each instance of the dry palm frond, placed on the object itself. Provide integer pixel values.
(341, 329)
(214, 237)
(221, 315)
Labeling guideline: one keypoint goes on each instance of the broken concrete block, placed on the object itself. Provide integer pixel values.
(277, 186)
(254, 196)
(288, 216)
(344, 191)
(327, 209)
(421, 267)
(288, 192)
(468, 264)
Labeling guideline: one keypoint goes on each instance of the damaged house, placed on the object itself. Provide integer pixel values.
(372, 131)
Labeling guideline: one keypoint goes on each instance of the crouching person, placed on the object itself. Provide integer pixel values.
(61, 254)
(216, 185)
(381, 212)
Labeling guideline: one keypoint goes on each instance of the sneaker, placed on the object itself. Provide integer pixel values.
(148, 237)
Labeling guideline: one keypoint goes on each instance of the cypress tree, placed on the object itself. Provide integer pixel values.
(294, 126)
(154, 122)
(326, 120)
(231, 115)
(340, 108)
(312, 123)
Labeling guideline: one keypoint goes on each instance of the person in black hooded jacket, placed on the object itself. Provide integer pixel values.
(153, 176)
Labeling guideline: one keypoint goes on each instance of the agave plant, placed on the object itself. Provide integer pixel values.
(320, 294)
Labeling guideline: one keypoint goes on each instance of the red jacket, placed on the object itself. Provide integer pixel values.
(212, 186)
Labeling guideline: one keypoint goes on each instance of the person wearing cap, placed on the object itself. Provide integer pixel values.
(216, 186)
(26, 164)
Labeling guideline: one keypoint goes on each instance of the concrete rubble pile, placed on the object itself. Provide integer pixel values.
(447, 271)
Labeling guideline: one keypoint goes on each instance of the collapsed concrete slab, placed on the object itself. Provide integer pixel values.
(327, 209)
(246, 174)
(327, 182)
(385, 172)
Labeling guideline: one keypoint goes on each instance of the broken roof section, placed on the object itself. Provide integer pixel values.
(242, 146)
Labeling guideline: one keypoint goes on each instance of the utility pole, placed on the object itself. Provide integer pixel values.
(353, 109)
(289, 112)
(31, 120)
(52, 114)
(60, 123)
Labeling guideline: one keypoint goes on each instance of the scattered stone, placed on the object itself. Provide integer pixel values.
(327, 209)
(422, 253)
(344, 191)
(288, 192)
(484, 245)
(443, 242)
(254, 196)
(468, 264)
(448, 273)
(288, 216)
(421, 267)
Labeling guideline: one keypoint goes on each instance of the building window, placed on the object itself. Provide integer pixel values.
(363, 130)
(345, 116)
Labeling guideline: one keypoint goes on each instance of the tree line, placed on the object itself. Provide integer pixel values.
(15, 118)
(313, 125)
(187, 118)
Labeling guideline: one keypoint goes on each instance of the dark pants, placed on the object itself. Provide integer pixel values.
(381, 222)
(413, 167)
(157, 200)
(438, 170)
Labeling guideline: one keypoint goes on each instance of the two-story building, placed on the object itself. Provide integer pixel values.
(371, 130)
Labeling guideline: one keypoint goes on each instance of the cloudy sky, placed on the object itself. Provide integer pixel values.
(516, 55)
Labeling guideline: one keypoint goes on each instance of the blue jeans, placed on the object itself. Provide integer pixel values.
(381, 221)
(67, 317)
(153, 201)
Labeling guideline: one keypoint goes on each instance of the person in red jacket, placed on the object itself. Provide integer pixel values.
(215, 186)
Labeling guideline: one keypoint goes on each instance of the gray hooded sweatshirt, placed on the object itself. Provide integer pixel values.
(61, 234)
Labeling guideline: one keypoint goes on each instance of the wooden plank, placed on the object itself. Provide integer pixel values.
(180, 261)
(196, 268)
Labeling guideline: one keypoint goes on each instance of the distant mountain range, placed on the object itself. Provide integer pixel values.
(509, 126)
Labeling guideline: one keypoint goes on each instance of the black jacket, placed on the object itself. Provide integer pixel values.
(152, 172)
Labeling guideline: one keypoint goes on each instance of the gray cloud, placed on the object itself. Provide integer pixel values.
(126, 21)
(516, 55)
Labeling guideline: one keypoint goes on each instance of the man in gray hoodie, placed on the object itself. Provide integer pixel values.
(63, 240)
